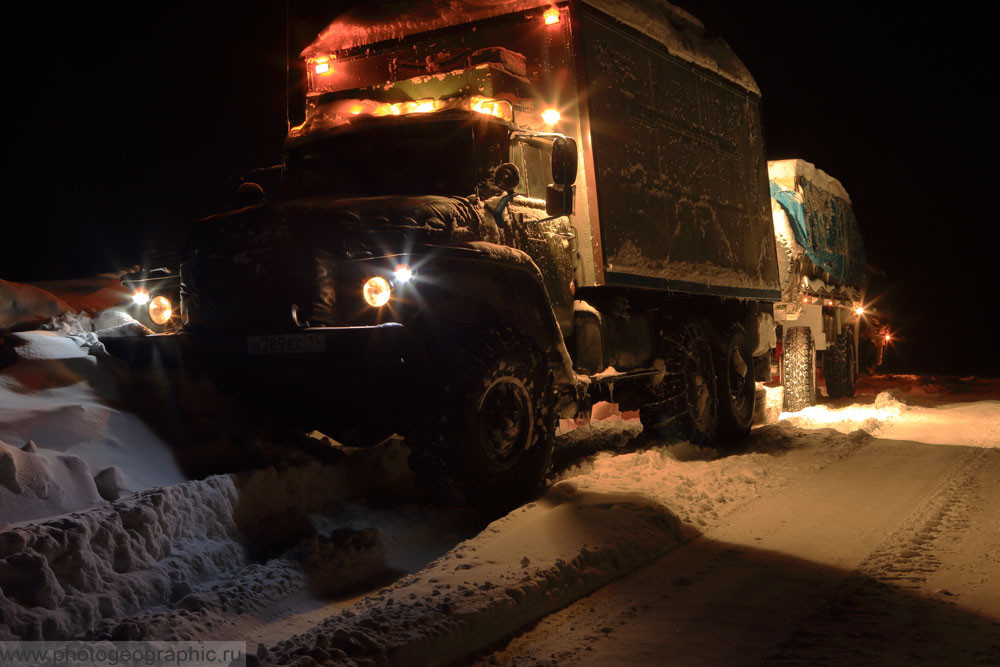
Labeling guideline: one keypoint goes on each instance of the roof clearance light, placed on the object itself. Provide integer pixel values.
(551, 116)
(403, 274)
(551, 16)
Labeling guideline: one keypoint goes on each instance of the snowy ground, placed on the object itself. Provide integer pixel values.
(859, 531)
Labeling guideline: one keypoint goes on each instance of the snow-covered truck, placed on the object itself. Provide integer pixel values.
(821, 260)
(494, 215)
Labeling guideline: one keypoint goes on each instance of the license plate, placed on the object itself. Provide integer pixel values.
(304, 343)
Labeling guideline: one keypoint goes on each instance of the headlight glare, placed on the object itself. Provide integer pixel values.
(403, 274)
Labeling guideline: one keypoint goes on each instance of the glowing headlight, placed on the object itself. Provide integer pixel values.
(376, 292)
(160, 309)
(140, 297)
(403, 274)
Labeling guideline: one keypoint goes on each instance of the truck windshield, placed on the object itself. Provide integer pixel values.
(534, 161)
(417, 158)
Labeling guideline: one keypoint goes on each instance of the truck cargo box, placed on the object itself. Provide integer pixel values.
(817, 234)
(678, 156)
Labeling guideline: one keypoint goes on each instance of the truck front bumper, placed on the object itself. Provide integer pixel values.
(319, 377)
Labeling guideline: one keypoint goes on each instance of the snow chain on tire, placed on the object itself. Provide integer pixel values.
(487, 440)
(684, 401)
(800, 369)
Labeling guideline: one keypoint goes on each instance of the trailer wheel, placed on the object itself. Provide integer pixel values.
(838, 367)
(735, 383)
(684, 402)
(487, 442)
(799, 361)
(868, 357)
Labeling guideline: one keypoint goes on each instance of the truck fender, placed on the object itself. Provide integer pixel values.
(494, 290)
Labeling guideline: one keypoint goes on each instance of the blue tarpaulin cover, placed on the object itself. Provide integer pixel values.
(824, 225)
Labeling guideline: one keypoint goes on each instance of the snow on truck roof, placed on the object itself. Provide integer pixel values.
(783, 172)
(682, 34)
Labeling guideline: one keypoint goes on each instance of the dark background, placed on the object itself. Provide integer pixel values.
(122, 122)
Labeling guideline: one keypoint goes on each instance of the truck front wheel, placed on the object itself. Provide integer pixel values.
(735, 383)
(799, 375)
(838, 367)
(488, 441)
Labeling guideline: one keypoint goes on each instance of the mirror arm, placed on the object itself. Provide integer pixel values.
(501, 207)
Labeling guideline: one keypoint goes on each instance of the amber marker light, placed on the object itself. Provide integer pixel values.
(888, 338)
(859, 310)
(376, 292)
(140, 297)
(551, 16)
(160, 309)
(551, 116)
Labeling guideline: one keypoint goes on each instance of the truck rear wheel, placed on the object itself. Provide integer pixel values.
(735, 384)
(685, 402)
(838, 367)
(868, 357)
(799, 360)
(488, 441)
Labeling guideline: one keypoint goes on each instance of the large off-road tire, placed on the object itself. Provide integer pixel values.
(735, 386)
(799, 361)
(838, 367)
(487, 441)
(684, 402)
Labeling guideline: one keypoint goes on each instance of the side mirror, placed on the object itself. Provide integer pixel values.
(559, 200)
(564, 160)
(248, 194)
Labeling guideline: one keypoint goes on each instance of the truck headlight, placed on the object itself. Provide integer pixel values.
(403, 274)
(376, 291)
(160, 309)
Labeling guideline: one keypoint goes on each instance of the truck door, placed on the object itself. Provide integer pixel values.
(551, 243)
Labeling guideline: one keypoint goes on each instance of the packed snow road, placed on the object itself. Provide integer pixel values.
(859, 531)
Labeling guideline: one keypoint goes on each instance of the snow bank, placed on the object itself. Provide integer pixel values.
(26, 303)
(890, 417)
(519, 568)
(60, 578)
(84, 450)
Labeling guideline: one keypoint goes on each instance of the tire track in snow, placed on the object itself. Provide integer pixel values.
(865, 619)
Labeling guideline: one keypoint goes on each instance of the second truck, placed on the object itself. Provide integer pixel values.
(494, 215)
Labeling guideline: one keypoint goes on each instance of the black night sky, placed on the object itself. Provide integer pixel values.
(124, 121)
